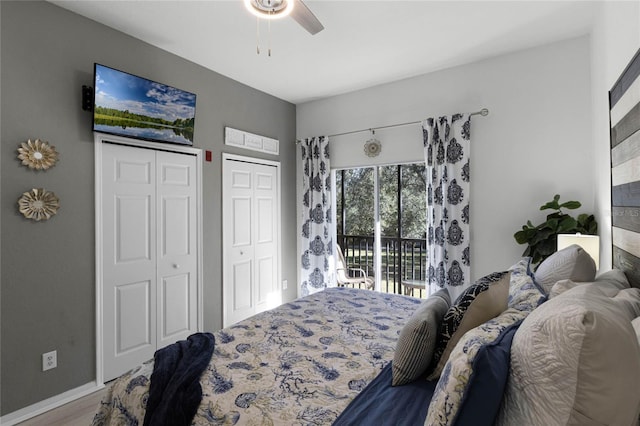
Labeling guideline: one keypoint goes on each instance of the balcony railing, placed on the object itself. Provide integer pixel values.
(402, 259)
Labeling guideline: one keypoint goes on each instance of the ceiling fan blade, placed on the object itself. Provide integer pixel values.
(306, 18)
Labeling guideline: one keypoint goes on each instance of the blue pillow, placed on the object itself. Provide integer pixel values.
(482, 400)
(474, 377)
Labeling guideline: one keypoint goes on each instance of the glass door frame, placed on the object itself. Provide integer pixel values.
(377, 237)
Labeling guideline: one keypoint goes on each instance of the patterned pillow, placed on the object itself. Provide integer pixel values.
(484, 300)
(461, 376)
(524, 292)
(417, 340)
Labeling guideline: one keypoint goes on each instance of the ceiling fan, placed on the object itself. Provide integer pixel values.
(274, 9)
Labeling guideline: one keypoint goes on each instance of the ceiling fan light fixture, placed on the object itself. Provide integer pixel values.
(269, 9)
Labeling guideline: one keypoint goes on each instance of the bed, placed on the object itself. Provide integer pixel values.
(301, 363)
(330, 358)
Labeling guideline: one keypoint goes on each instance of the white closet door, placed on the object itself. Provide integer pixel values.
(150, 253)
(177, 247)
(129, 257)
(265, 237)
(251, 239)
(239, 298)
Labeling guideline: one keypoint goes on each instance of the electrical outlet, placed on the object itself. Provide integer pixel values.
(49, 360)
(284, 284)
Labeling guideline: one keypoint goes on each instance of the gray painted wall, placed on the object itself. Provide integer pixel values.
(47, 270)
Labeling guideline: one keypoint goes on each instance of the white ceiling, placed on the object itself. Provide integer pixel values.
(364, 43)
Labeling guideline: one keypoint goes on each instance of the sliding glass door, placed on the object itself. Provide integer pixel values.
(381, 223)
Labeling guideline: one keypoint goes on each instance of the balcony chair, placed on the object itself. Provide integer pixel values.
(351, 277)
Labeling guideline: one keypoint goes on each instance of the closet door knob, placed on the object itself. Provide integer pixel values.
(176, 266)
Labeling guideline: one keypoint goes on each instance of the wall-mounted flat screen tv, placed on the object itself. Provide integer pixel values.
(132, 106)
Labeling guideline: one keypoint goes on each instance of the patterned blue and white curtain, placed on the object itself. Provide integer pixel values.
(317, 271)
(446, 150)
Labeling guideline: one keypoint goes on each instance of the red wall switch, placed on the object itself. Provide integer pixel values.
(207, 156)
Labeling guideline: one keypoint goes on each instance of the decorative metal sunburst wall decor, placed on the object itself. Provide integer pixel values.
(37, 155)
(372, 147)
(38, 204)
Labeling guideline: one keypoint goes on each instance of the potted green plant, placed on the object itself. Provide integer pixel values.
(542, 240)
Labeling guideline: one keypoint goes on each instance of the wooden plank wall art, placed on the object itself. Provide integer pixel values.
(624, 114)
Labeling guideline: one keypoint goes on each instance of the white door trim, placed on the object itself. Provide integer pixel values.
(225, 231)
(99, 139)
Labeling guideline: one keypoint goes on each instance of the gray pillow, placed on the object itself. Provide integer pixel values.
(417, 340)
(612, 281)
(614, 276)
(635, 323)
(571, 263)
(575, 361)
(563, 285)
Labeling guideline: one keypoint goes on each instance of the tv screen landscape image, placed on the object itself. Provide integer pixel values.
(132, 106)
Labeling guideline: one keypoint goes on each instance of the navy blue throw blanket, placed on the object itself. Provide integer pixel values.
(175, 392)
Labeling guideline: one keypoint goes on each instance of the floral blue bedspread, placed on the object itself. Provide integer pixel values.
(299, 364)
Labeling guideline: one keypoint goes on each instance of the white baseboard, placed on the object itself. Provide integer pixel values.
(49, 404)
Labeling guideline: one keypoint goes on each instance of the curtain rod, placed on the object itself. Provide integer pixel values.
(483, 112)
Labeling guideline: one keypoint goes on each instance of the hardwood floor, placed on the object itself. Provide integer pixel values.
(76, 413)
